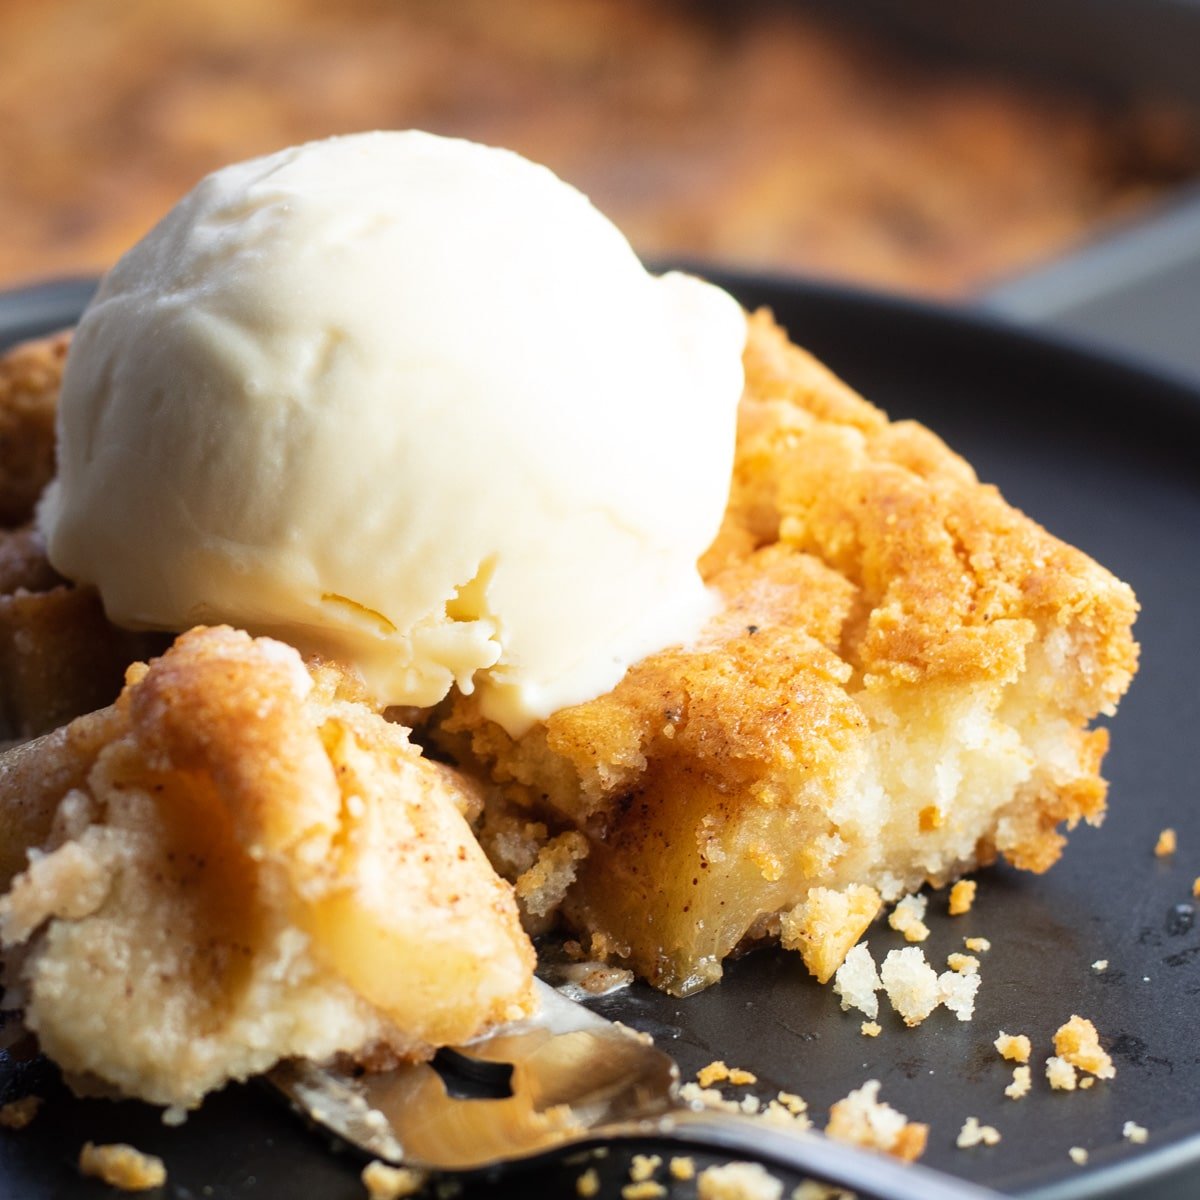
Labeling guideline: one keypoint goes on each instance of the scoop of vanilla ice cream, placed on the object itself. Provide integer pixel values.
(408, 401)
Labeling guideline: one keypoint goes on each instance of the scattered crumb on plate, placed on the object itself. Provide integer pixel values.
(908, 918)
(1078, 1156)
(1022, 1081)
(871, 1029)
(962, 897)
(964, 964)
(588, 1184)
(1101, 964)
(1166, 844)
(718, 1072)
(977, 945)
(1061, 1074)
(122, 1166)
(385, 1182)
(862, 1119)
(1013, 1046)
(857, 980)
(974, 1134)
(738, 1181)
(16, 1114)
(643, 1167)
(645, 1189)
(911, 984)
(682, 1168)
(1134, 1132)
(1079, 1044)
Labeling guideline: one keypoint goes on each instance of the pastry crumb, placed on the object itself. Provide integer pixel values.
(122, 1166)
(827, 925)
(1078, 1156)
(1086, 1082)
(957, 992)
(718, 1072)
(1167, 844)
(857, 980)
(964, 964)
(643, 1167)
(1196, 887)
(682, 1168)
(871, 1029)
(977, 945)
(385, 1182)
(1015, 1047)
(911, 984)
(1101, 964)
(862, 1119)
(908, 918)
(1133, 1132)
(16, 1114)
(975, 1134)
(645, 1189)
(738, 1181)
(1079, 1044)
(1022, 1081)
(588, 1184)
(1061, 1074)
(962, 897)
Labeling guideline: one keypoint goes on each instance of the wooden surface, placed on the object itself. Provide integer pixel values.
(756, 137)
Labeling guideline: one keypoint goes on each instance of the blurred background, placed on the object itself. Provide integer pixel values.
(924, 147)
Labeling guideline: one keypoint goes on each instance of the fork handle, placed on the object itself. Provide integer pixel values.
(871, 1175)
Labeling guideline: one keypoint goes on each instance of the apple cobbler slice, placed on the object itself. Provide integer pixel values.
(897, 690)
(238, 862)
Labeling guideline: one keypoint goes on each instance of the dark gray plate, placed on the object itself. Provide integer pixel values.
(1108, 458)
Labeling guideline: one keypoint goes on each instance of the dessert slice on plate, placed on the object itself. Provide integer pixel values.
(897, 690)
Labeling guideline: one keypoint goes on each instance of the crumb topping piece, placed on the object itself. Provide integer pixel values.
(16, 1114)
(718, 1072)
(1078, 1156)
(643, 1167)
(385, 1182)
(682, 1168)
(908, 918)
(1015, 1047)
(1196, 887)
(857, 980)
(964, 964)
(1166, 844)
(122, 1166)
(871, 1029)
(911, 984)
(738, 1181)
(588, 1184)
(1133, 1132)
(1060, 1074)
(977, 945)
(645, 1189)
(827, 925)
(862, 1119)
(1078, 1043)
(1101, 964)
(975, 1134)
(958, 991)
(962, 897)
(1022, 1081)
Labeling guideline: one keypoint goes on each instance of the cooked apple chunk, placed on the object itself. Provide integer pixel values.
(897, 689)
(239, 862)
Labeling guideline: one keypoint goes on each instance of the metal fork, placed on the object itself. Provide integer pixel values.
(568, 1079)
